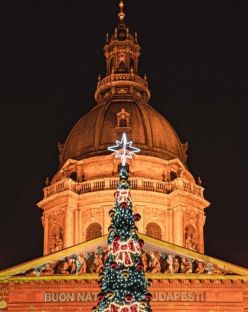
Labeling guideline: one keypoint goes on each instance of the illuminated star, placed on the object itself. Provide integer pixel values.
(124, 149)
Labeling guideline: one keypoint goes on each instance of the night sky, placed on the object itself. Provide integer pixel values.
(195, 55)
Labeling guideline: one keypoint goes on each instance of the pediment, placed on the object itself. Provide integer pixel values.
(161, 260)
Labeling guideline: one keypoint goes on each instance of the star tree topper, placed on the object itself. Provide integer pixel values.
(124, 149)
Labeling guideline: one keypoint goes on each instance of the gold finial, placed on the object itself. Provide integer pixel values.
(121, 15)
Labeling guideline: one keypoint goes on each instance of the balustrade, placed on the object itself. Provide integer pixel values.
(118, 77)
(111, 184)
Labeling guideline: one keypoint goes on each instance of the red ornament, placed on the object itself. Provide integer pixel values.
(139, 267)
(148, 296)
(137, 217)
(129, 298)
(100, 297)
(113, 265)
(123, 205)
(117, 238)
(141, 243)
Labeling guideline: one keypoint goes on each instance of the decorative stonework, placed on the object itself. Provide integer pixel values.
(154, 261)
(160, 180)
(176, 200)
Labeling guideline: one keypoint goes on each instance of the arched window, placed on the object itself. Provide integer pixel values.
(111, 64)
(153, 230)
(73, 176)
(122, 66)
(123, 122)
(132, 63)
(94, 230)
(173, 175)
(123, 119)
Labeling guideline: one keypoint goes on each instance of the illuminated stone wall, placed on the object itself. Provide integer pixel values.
(164, 193)
(168, 295)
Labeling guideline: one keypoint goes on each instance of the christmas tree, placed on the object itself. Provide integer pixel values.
(122, 281)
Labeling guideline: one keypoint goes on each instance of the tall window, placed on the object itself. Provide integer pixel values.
(94, 230)
(123, 123)
(153, 230)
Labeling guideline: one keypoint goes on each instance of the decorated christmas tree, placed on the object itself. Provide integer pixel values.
(122, 281)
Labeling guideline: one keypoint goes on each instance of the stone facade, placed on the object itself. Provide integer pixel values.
(168, 295)
(78, 199)
(164, 193)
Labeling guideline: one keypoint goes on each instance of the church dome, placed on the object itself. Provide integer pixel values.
(122, 98)
(103, 125)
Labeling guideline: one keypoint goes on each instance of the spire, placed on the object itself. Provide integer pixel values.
(121, 15)
(122, 53)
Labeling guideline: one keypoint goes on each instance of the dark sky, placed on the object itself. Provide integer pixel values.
(196, 57)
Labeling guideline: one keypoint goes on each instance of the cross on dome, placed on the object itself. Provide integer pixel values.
(124, 149)
(121, 15)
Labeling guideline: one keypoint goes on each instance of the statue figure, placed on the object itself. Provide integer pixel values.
(104, 253)
(98, 263)
(200, 268)
(190, 241)
(154, 264)
(48, 270)
(47, 182)
(176, 265)
(144, 261)
(169, 261)
(58, 241)
(83, 268)
(186, 266)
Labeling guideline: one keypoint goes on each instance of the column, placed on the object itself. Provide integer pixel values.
(201, 233)
(75, 227)
(68, 227)
(80, 229)
(171, 226)
(167, 225)
(178, 226)
(45, 226)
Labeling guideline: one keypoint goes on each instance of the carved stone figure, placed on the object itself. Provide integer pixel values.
(191, 240)
(144, 261)
(154, 264)
(200, 268)
(169, 264)
(98, 263)
(186, 266)
(48, 270)
(83, 267)
(176, 265)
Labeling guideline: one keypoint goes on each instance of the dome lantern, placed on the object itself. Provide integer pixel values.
(122, 53)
